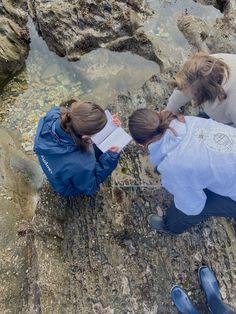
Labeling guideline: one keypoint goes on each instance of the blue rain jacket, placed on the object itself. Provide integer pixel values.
(69, 170)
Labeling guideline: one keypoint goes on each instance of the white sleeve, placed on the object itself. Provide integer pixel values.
(189, 196)
(177, 100)
(189, 201)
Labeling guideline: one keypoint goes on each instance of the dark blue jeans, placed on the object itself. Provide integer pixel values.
(217, 306)
(216, 205)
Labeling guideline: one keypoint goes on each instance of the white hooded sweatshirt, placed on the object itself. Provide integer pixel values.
(201, 156)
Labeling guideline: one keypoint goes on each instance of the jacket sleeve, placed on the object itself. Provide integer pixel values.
(89, 179)
(177, 100)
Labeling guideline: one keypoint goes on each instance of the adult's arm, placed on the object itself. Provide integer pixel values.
(177, 100)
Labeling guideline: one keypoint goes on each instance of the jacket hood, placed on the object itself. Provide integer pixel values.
(159, 149)
(51, 138)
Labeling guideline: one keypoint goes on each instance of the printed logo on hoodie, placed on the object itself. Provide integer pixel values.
(217, 140)
(46, 163)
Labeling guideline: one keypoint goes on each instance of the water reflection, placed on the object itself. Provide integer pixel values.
(99, 75)
(163, 31)
(49, 79)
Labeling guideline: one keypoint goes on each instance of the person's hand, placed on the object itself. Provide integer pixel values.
(116, 120)
(115, 149)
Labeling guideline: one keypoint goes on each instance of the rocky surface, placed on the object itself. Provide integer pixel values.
(215, 37)
(203, 36)
(98, 255)
(20, 178)
(222, 5)
(137, 44)
(13, 37)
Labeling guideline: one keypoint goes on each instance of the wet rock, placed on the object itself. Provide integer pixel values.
(228, 22)
(219, 4)
(98, 254)
(195, 31)
(161, 28)
(20, 177)
(99, 309)
(14, 39)
(209, 38)
(74, 28)
(139, 44)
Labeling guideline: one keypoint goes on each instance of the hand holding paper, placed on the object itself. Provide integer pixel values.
(115, 149)
(116, 120)
(111, 135)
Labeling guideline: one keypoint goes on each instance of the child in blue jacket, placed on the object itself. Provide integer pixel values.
(65, 152)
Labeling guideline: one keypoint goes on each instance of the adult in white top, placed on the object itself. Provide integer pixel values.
(197, 161)
(210, 81)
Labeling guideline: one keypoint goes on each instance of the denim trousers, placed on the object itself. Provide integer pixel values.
(216, 305)
(216, 205)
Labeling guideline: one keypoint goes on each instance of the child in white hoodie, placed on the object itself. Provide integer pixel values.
(197, 161)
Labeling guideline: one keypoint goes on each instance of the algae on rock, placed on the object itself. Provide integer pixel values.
(14, 39)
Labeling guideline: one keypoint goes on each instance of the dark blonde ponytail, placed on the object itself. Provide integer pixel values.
(80, 119)
(146, 125)
(65, 118)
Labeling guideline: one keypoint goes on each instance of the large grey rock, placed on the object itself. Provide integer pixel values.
(14, 39)
(73, 28)
(138, 44)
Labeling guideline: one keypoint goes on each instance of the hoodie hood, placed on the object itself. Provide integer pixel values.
(159, 149)
(51, 138)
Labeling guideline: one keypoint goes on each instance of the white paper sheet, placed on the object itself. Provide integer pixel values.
(111, 135)
(118, 138)
(106, 131)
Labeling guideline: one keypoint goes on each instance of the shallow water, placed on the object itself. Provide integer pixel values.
(48, 79)
(99, 76)
(162, 29)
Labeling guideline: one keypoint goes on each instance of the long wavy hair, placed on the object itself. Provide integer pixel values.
(203, 75)
(81, 119)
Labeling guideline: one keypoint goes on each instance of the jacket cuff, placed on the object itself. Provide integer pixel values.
(113, 155)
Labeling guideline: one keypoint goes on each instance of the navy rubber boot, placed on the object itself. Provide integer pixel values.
(182, 301)
(211, 288)
(208, 282)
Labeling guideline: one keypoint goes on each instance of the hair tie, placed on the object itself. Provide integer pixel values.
(158, 131)
(68, 113)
